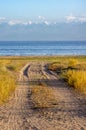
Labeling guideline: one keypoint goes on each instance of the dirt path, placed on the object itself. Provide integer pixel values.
(17, 114)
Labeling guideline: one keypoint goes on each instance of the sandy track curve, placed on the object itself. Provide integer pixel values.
(70, 113)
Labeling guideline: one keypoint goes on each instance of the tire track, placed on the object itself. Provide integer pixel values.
(13, 115)
(69, 114)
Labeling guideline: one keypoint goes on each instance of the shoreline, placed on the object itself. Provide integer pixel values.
(41, 57)
(31, 56)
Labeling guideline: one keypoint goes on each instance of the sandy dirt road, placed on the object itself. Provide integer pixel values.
(17, 114)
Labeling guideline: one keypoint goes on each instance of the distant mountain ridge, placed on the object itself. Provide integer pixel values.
(43, 31)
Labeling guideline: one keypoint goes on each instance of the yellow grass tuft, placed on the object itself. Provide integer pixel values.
(72, 62)
(42, 97)
(8, 70)
(7, 86)
(77, 79)
(56, 66)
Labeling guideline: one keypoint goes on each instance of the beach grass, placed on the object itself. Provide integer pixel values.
(8, 71)
(11, 65)
(7, 86)
(76, 79)
(73, 71)
(42, 97)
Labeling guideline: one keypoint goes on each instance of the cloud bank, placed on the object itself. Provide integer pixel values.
(72, 18)
(42, 20)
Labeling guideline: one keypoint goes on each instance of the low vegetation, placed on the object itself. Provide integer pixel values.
(8, 70)
(42, 97)
(73, 66)
(56, 66)
(72, 63)
(73, 71)
(76, 79)
(7, 86)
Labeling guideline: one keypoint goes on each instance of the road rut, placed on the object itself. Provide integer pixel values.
(17, 114)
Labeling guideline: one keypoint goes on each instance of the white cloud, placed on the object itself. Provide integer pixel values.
(46, 22)
(2, 19)
(71, 18)
(26, 22)
(41, 17)
(68, 19)
(43, 20)
(82, 19)
(15, 22)
(30, 22)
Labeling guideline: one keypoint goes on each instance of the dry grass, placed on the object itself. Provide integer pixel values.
(57, 66)
(77, 79)
(73, 71)
(9, 66)
(68, 63)
(81, 66)
(72, 62)
(8, 69)
(7, 86)
(42, 97)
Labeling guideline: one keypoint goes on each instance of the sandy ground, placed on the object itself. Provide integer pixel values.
(17, 114)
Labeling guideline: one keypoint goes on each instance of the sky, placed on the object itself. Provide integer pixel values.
(36, 18)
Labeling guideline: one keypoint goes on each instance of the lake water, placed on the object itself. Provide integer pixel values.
(36, 48)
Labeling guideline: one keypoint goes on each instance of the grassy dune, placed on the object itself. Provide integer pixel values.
(73, 71)
(7, 86)
(72, 67)
(76, 79)
(8, 71)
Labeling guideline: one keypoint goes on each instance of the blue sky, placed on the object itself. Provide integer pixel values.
(28, 12)
(50, 9)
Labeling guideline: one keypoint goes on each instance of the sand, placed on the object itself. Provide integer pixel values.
(68, 114)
